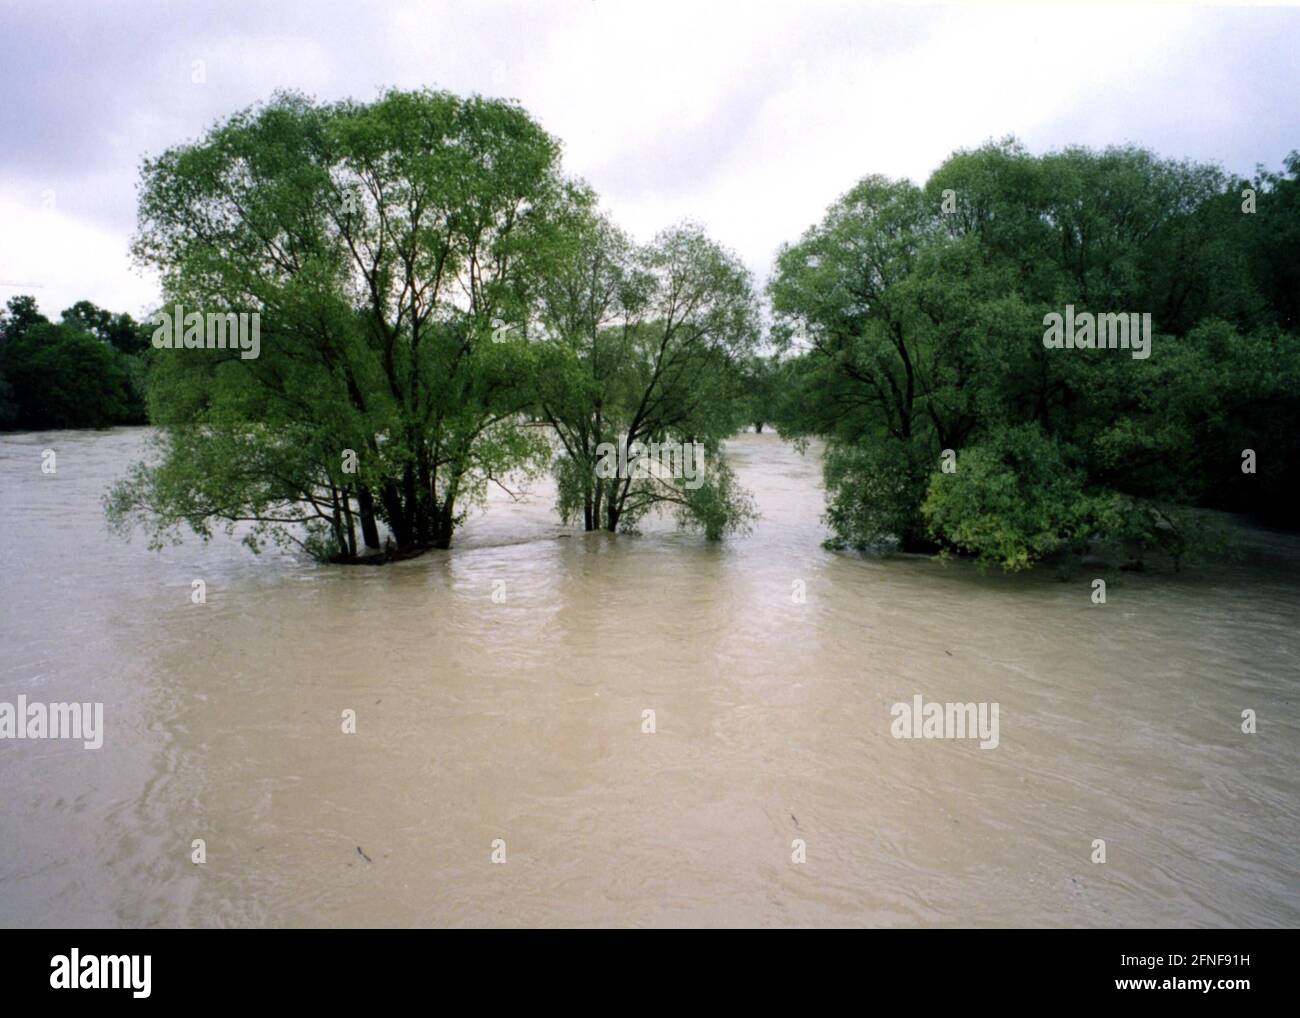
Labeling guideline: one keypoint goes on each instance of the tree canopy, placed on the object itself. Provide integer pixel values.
(644, 345)
(82, 372)
(913, 319)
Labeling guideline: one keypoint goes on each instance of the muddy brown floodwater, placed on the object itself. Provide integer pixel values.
(522, 721)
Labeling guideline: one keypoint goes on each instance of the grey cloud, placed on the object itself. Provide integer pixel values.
(93, 88)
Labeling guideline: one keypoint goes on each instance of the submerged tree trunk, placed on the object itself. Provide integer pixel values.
(369, 526)
(351, 524)
(444, 522)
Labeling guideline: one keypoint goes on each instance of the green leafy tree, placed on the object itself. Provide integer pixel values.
(64, 375)
(382, 245)
(120, 331)
(764, 383)
(61, 378)
(645, 345)
(916, 316)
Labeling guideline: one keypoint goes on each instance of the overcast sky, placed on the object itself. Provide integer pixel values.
(748, 117)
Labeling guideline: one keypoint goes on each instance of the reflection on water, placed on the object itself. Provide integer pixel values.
(522, 721)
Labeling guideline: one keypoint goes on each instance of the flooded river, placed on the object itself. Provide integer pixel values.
(514, 727)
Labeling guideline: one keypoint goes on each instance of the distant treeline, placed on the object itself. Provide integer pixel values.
(85, 371)
(915, 326)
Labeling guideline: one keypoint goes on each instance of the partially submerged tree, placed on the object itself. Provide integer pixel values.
(918, 318)
(381, 245)
(764, 381)
(640, 375)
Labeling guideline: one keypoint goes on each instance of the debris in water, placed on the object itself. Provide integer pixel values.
(363, 855)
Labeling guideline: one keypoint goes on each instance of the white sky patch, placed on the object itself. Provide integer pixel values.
(60, 260)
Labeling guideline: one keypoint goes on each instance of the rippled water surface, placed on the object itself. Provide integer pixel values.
(522, 721)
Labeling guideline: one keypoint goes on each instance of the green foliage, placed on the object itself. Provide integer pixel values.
(64, 375)
(763, 380)
(1012, 500)
(874, 493)
(917, 330)
(640, 345)
(719, 506)
(381, 244)
(119, 331)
